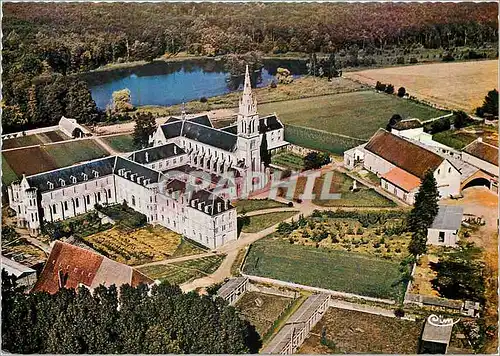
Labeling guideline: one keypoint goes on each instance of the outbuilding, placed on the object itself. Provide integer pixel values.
(444, 229)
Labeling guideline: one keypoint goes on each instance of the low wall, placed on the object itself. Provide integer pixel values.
(433, 301)
(315, 289)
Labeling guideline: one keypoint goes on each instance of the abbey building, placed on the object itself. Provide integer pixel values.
(163, 181)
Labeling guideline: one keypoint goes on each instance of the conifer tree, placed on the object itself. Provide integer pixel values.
(145, 126)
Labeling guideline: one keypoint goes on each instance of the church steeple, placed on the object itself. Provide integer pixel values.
(248, 104)
(247, 114)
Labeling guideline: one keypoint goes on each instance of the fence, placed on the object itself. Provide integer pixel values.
(315, 289)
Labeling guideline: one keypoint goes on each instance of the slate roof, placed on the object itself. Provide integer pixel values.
(172, 129)
(209, 199)
(483, 151)
(269, 123)
(231, 129)
(407, 124)
(103, 166)
(403, 154)
(156, 153)
(72, 265)
(15, 268)
(172, 119)
(137, 169)
(210, 136)
(402, 179)
(230, 286)
(202, 120)
(449, 217)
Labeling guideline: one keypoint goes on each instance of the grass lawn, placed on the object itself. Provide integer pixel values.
(262, 317)
(182, 272)
(257, 204)
(350, 272)
(364, 197)
(139, 246)
(354, 332)
(36, 139)
(357, 114)
(66, 154)
(8, 175)
(288, 160)
(121, 143)
(263, 221)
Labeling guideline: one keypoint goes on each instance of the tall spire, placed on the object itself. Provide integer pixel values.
(248, 104)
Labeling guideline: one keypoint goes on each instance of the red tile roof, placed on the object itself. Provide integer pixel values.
(70, 266)
(403, 154)
(483, 151)
(402, 179)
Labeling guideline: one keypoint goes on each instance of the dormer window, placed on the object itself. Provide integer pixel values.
(85, 176)
(121, 171)
(62, 182)
(96, 174)
(50, 185)
(73, 179)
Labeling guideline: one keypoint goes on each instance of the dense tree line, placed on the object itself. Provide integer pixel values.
(137, 320)
(42, 40)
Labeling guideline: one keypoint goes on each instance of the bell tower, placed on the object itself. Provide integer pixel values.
(248, 120)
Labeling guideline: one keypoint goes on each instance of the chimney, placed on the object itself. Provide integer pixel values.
(175, 149)
(219, 206)
(147, 157)
(226, 204)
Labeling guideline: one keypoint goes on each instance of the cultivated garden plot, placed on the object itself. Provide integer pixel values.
(144, 245)
(458, 139)
(37, 139)
(341, 183)
(183, 272)
(346, 331)
(262, 309)
(289, 160)
(35, 160)
(276, 258)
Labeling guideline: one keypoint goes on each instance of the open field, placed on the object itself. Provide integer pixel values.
(357, 114)
(23, 252)
(357, 333)
(288, 160)
(121, 143)
(461, 85)
(263, 221)
(299, 88)
(350, 272)
(8, 174)
(140, 246)
(264, 316)
(182, 272)
(256, 204)
(37, 139)
(341, 183)
(39, 159)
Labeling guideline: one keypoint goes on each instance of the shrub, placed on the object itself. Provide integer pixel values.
(203, 99)
(399, 312)
(401, 92)
(400, 60)
(273, 84)
(359, 231)
(413, 60)
(290, 204)
(389, 89)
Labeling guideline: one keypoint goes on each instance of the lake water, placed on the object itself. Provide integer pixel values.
(169, 83)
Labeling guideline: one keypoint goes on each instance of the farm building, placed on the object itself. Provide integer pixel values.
(444, 229)
(24, 275)
(69, 266)
(72, 128)
(436, 335)
(298, 326)
(183, 184)
(485, 157)
(401, 164)
(233, 289)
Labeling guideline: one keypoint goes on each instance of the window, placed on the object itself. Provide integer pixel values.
(73, 179)
(153, 166)
(449, 170)
(439, 171)
(109, 193)
(65, 205)
(98, 196)
(405, 196)
(54, 209)
(50, 185)
(88, 199)
(441, 236)
(133, 200)
(77, 202)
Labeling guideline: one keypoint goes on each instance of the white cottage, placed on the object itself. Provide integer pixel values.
(444, 229)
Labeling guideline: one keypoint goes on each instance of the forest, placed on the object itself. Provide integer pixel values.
(44, 40)
(132, 320)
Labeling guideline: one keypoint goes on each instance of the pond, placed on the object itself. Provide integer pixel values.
(169, 83)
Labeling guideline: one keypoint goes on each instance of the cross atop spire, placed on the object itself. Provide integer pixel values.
(248, 104)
